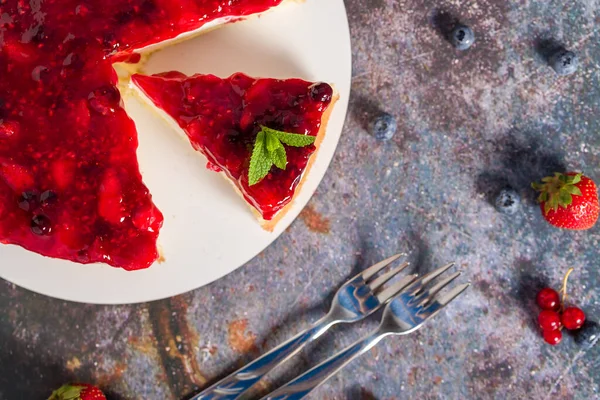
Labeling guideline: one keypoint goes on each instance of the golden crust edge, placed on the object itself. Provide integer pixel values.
(270, 224)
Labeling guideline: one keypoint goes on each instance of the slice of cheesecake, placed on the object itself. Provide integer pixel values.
(261, 133)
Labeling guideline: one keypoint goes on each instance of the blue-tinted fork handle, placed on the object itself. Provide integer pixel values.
(305, 383)
(243, 379)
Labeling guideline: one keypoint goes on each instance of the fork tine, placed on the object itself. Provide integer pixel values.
(430, 293)
(391, 291)
(435, 273)
(446, 298)
(380, 280)
(429, 277)
(441, 301)
(369, 272)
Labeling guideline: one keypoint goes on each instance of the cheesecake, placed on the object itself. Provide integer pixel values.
(228, 120)
(70, 185)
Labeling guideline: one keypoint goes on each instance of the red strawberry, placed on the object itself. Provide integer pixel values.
(77, 391)
(568, 201)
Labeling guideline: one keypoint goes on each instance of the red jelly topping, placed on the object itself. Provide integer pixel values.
(70, 185)
(222, 118)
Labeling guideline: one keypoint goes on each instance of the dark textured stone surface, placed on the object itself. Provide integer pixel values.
(469, 123)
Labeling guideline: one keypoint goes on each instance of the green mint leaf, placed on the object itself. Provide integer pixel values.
(279, 157)
(268, 150)
(272, 142)
(276, 151)
(291, 139)
(260, 162)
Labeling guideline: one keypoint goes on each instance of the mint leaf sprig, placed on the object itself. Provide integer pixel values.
(269, 150)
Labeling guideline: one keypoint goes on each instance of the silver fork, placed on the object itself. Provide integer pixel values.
(404, 314)
(358, 298)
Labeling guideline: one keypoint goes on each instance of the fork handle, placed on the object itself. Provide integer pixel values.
(243, 379)
(305, 383)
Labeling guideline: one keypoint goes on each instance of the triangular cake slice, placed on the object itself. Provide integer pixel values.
(223, 117)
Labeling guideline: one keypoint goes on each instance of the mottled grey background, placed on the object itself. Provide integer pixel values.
(469, 123)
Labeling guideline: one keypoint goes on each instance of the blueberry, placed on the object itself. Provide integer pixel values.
(28, 201)
(587, 336)
(507, 201)
(148, 9)
(233, 135)
(74, 61)
(462, 37)
(47, 197)
(110, 42)
(321, 92)
(564, 62)
(124, 17)
(40, 73)
(105, 100)
(383, 127)
(41, 35)
(41, 225)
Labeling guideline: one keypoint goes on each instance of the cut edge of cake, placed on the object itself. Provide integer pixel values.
(125, 85)
(126, 69)
(209, 26)
(268, 225)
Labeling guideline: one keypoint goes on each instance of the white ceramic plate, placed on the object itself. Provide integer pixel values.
(208, 231)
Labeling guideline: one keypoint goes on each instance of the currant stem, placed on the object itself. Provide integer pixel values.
(563, 291)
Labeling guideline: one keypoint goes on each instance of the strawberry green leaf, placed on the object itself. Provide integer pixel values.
(574, 190)
(563, 178)
(260, 162)
(67, 392)
(557, 191)
(547, 208)
(552, 204)
(573, 180)
(565, 198)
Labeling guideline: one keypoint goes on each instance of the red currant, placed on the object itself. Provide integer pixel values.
(549, 320)
(573, 318)
(548, 299)
(553, 337)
